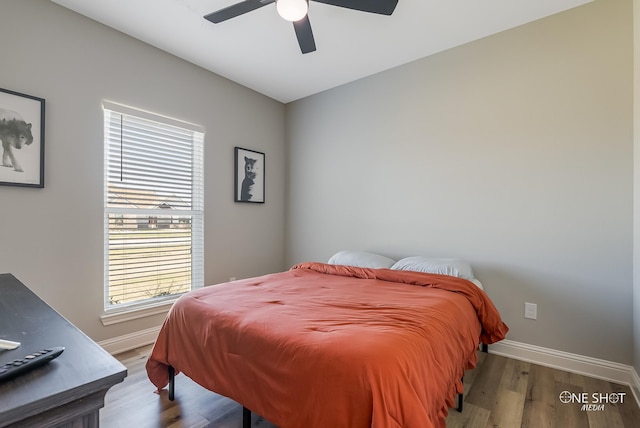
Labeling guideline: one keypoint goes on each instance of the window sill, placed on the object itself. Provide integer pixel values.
(133, 313)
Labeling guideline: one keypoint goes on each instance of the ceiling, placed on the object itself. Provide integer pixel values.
(259, 49)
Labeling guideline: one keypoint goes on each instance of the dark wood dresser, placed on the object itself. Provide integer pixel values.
(66, 392)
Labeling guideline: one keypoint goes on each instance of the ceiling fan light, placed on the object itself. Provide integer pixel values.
(292, 10)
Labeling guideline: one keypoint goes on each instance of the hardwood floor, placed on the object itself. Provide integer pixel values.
(500, 392)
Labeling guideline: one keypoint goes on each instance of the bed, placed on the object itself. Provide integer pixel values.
(331, 345)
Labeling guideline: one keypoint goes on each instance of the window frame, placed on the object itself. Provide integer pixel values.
(157, 304)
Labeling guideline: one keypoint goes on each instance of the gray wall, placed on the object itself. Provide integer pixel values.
(636, 188)
(514, 152)
(52, 238)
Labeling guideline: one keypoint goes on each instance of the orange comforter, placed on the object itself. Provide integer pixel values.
(331, 346)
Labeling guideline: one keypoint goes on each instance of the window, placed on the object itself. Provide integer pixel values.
(153, 205)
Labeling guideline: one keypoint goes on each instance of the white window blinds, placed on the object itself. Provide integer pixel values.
(153, 203)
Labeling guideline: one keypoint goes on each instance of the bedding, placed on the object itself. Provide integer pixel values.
(443, 266)
(326, 345)
(361, 259)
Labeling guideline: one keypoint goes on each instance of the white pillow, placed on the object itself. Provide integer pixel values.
(442, 266)
(361, 259)
(477, 283)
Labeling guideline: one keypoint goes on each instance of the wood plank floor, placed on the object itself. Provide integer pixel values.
(500, 392)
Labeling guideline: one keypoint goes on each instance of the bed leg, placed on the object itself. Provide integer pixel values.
(485, 348)
(460, 399)
(246, 417)
(172, 383)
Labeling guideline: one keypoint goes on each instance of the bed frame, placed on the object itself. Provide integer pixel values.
(246, 413)
(484, 348)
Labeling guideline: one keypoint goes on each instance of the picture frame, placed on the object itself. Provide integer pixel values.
(22, 136)
(249, 175)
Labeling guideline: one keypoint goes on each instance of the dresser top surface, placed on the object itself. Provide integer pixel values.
(82, 369)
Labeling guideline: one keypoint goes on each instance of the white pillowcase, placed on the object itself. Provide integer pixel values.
(361, 259)
(442, 266)
(477, 283)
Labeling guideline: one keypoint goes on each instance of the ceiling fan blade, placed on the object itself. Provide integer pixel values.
(236, 10)
(383, 7)
(305, 35)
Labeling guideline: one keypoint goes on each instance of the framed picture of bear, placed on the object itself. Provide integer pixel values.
(249, 176)
(22, 136)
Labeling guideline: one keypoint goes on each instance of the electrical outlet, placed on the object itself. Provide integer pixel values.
(233, 278)
(531, 311)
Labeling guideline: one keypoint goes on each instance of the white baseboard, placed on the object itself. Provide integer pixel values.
(588, 366)
(130, 341)
(593, 367)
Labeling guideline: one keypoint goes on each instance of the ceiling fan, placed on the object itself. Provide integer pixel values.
(296, 12)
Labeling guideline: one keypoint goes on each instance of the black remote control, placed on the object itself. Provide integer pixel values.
(35, 359)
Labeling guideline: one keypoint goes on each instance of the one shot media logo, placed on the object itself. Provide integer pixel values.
(592, 402)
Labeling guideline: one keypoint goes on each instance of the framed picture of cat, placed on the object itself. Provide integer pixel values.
(22, 136)
(249, 176)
